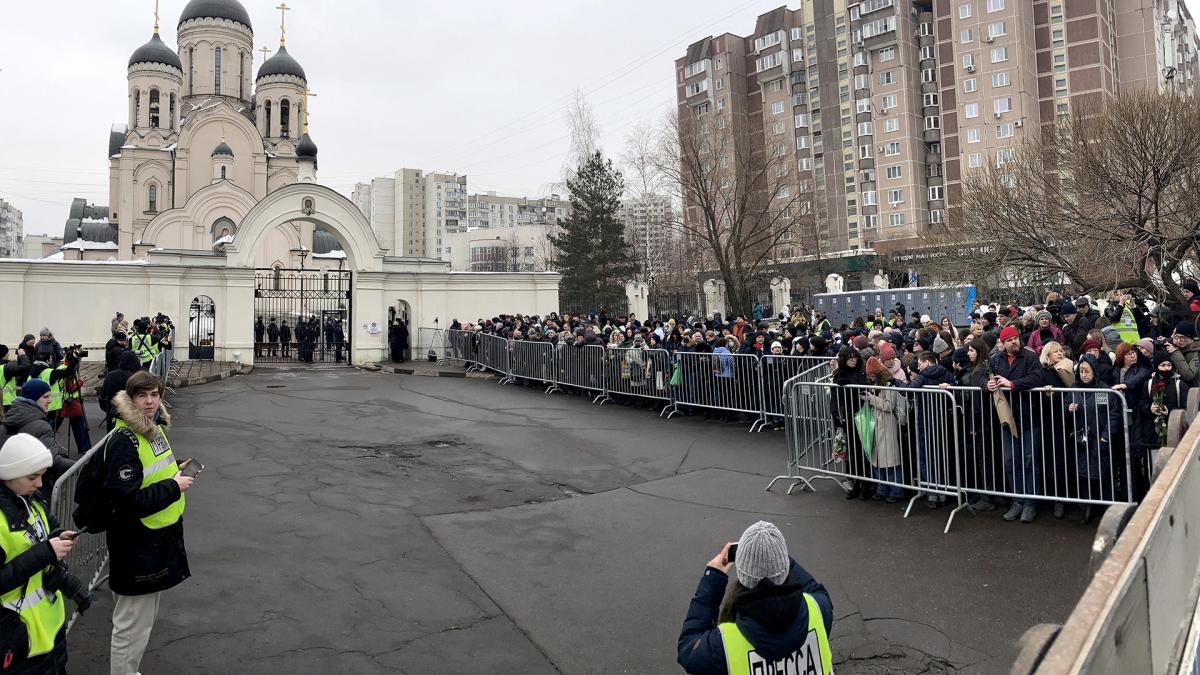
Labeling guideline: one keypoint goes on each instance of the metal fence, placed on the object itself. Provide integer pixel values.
(532, 361)
(88, 560)
(721, 381)
(458, 346)
(961, 444)
(580, 367)
(494, 355)
(641, 373)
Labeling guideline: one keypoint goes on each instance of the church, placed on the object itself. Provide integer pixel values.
(206, 138)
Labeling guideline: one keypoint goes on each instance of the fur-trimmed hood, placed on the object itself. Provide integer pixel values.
(136, 419)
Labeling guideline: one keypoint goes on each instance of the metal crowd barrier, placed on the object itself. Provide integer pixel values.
(494, 355)
(644, 373)
(161, 366)
(580, 367)
(728, 382)
(533, 361)
(775, 371)
(88, 560)
(459, 346)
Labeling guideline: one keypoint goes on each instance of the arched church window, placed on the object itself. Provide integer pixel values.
(267, 117)
(152, 198)
(284, 110)
(137, 108)
(191, 69)
(154, 108)
(242, 74)
(222, 173)
(217, 71)
(171, 121)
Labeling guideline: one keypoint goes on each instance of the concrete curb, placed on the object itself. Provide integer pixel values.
(190, 382)
(402, 370)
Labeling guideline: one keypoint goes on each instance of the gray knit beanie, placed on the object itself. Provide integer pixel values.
(939, 345)
(762, 554)
(1043, 315)
(1111, 336)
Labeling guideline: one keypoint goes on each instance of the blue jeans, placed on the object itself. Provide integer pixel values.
(1021, 480)
(891, 473)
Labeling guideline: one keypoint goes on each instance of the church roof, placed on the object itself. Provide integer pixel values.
(222, 149)
(156, 51)
(281, 63)
(306, 149)
(216, 9)
(324, 242)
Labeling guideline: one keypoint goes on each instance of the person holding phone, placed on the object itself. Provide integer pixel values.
(145, 538)
(775, 616)
(33, 636)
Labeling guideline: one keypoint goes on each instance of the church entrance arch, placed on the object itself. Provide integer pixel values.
(305, 314)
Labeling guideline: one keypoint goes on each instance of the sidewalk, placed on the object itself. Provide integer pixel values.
(432, 369)
(188, 373)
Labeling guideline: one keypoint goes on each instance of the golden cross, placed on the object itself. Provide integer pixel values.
(156, 17)
(282, 7)
(307, 92)
(264, 51)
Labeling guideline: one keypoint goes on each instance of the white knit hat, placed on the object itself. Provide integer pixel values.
(23, 455)
(762, 554)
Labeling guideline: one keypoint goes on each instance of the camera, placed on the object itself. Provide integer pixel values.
(60, 579)
(77, 351)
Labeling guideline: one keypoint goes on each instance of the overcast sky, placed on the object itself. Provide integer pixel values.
(474, 87)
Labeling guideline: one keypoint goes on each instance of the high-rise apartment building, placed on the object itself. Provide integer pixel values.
(12, 231)
(647, 227)
(489, 210)
(883, 106)
(396, 208)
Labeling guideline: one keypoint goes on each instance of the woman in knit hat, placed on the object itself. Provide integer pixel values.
(886, 457)
(33, 635)
(1044, 331)
(775, 610)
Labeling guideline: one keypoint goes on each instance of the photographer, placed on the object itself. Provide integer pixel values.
(776, 615)
(70, 387)
(33, 636)
(13, 373)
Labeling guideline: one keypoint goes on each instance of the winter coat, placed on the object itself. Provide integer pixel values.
(1036, 340)
(115, 381)
(285, 333)
(17, 572)
(724, 362)
(26, 417)
(272, 333)
(18, 370)
(885, 404)
(142, 560)
(48, 351)
(1025, 372)
(772, 618)
(1187, 363)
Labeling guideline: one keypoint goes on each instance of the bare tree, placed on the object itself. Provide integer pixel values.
(741, 197)
(644, 186)
(1108, 198)
(585, 133)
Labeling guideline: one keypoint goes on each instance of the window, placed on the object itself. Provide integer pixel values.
(796, 33)
(1000, 79)
(217, 70)
(191, 69)
(972, 135)
(865, 151)
(928, 75)
(1060, 63)
(926, 29)
(778, 128)
(866, 129)
(861, 59)
(863, 105)
(154, 108)
(1056, 38)
(1005, 130)
(892, 149)
(895, 196)
(267, 118)
(966, 36)
(997, 29)
(971, 110)
(1002, 105)
(802, 141)
(1060, 86)
(152, 198)
(766, 41)
(861, 82)
(801, 120)
(697, 87)
(768, 62)
(894, 171)
(775, 86)
(930, 100)
(695, 68)
(868, 198)
(879, 27)
(804, 164)
(936, 216)
(1004, 156)
(889, 101)
(891, 124)
(776, 107)
(933, 122)
(242, 74)
(964, 11)
(222, 173)
(995, 5)
(895, 219)
(887, 77)
(935, 193)
(702, 109)
(721, 106)
(999, 54)
(783, 192)
(720, 83)
(974, 160)
(720, 63)
(887, 53)
(927, 52)
(171, 120)
(284, 115)
(797, 55)
(968, 60)
(969, 85)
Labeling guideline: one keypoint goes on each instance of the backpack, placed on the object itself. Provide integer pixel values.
(93, 507)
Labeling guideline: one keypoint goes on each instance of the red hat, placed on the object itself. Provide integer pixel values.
(875, 366)
(1009, 332)
(886, 351)
(1011, 311)
(1089, 345)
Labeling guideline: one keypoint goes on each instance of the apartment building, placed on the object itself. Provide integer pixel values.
(12, 231)
(888, 104)
(647, 227)
(490, 210)
(396, 208)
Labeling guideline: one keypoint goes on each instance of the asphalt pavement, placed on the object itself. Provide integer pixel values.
(357, 522)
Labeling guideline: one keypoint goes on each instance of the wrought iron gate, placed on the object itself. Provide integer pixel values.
(202, 328)
(307, 312)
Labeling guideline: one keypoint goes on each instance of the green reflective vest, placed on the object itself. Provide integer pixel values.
(1127, 327)
(144, 347)
(814, 656)
(56, 389)
(40, 609)
(158, 464)
(8, 387)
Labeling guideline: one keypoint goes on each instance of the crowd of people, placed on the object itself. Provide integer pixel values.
(1073, 445)
(276, 339)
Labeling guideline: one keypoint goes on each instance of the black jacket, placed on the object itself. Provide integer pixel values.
(16, 572)
(142, 560)
(115, 381)
(18, 370)
(49, 352)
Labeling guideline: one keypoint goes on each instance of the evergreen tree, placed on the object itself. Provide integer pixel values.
(592, 254)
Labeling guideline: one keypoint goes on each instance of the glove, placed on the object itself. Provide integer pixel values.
(83, 603)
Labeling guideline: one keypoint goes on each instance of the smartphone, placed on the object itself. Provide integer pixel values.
(191, 468)
(732, 553)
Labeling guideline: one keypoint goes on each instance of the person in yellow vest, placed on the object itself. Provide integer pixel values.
(776, 618)
(145, 537)
(13, 373)
(33, 636)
